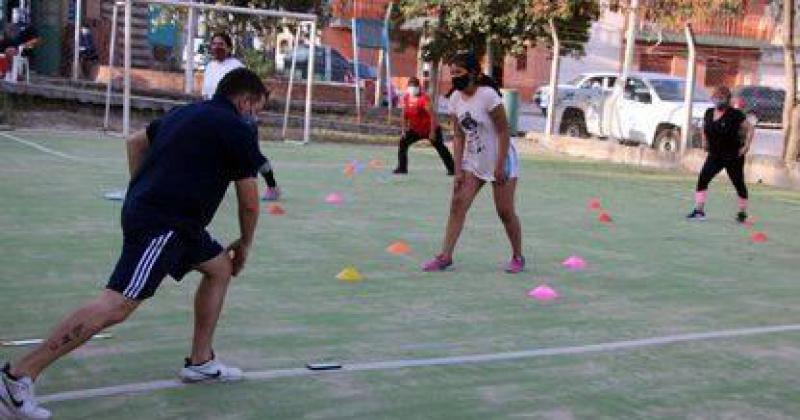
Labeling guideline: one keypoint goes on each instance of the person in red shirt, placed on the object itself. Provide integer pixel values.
(418, 122)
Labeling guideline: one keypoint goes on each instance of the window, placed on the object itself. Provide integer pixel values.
(522, 60)
(593, 82)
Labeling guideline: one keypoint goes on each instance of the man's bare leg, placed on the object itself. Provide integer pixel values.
(208, 303)
(108, 309)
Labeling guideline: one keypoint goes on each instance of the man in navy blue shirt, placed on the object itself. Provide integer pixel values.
(180, 168)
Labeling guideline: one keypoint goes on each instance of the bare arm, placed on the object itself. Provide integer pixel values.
(458, 145)
(247, 196)
(748, 132)
(500, 121)
(137, 146)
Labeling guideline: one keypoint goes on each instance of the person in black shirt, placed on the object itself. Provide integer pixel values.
(180, 169)
(727, 135)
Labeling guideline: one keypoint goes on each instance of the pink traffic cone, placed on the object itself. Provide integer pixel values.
(334, 198)
(543, 293)
(574, 263)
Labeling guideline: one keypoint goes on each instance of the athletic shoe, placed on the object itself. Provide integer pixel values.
(210, 371)
(451, 173)
(400, 171)
(438, 263)
(17, 400)
(516, 265)
(696, 215)
(741, 217)
(272, 194)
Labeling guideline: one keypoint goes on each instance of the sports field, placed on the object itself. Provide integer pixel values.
(616, 344)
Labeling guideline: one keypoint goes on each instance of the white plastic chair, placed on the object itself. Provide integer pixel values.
(19, 64)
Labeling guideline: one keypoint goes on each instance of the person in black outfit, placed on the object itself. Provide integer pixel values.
(727, 136)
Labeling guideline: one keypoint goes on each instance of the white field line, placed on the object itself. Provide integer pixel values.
(39, 147)
(440, 361)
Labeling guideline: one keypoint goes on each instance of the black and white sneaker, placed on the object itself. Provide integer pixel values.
(741, 217)
(210, 371)
(696, 214)
(17, 398)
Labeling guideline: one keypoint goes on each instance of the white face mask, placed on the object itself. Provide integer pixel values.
(413, 90)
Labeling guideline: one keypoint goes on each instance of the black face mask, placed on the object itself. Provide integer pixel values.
(461, 82)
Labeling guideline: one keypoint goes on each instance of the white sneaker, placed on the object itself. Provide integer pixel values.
(212, 370)
(17, 400)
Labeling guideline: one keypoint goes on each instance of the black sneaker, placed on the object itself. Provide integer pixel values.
(696, 215)
(400, 172)
(741, 217)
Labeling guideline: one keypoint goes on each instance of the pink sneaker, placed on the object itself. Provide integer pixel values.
(272, 194)
(516, 265)
(438, 263)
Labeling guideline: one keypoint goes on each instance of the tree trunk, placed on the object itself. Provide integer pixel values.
(793, 147)
(489, 58)
(434, 84)
(790, 131)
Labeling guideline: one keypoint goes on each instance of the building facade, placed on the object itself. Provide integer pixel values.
(731, 51)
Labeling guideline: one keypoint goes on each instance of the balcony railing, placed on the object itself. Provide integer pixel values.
(751, 27)
(368, 9)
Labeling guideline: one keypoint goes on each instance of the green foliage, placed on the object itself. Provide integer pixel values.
(673, 14)
(258, 62)
(510, 25)
(241, 25)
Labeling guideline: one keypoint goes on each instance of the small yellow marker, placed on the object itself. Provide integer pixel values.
(350, 274)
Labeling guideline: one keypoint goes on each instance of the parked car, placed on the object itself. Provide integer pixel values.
(601, 80)
(329, 64)
(650, 111)
(764, 102)
(365, 71)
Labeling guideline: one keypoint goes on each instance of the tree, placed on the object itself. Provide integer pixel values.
(674, 14)
(509, 25)
(786, 13)
(245, 26)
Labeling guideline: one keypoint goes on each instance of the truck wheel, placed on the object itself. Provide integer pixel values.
(576, 127)
(668, 140)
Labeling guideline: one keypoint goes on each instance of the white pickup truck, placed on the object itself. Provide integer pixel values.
(650, 110)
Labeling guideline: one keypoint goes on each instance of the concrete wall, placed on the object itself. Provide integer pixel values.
(759, 169)
(771, 67)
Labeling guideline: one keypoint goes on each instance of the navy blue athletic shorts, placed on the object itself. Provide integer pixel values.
(149, 256)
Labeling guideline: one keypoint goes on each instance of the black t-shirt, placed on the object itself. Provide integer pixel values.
(195, 152)
(26, 34)
(723, 135)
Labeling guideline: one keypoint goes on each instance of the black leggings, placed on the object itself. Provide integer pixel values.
(734, 167)
(437, 142)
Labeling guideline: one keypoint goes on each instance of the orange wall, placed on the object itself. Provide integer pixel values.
(536, 73)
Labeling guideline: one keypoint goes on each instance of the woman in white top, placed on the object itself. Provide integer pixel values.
(221, 64)
(483, 153)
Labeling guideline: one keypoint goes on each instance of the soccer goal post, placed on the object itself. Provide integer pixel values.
(303, 20)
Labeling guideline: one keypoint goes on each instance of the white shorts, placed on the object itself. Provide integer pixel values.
(511, 167)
